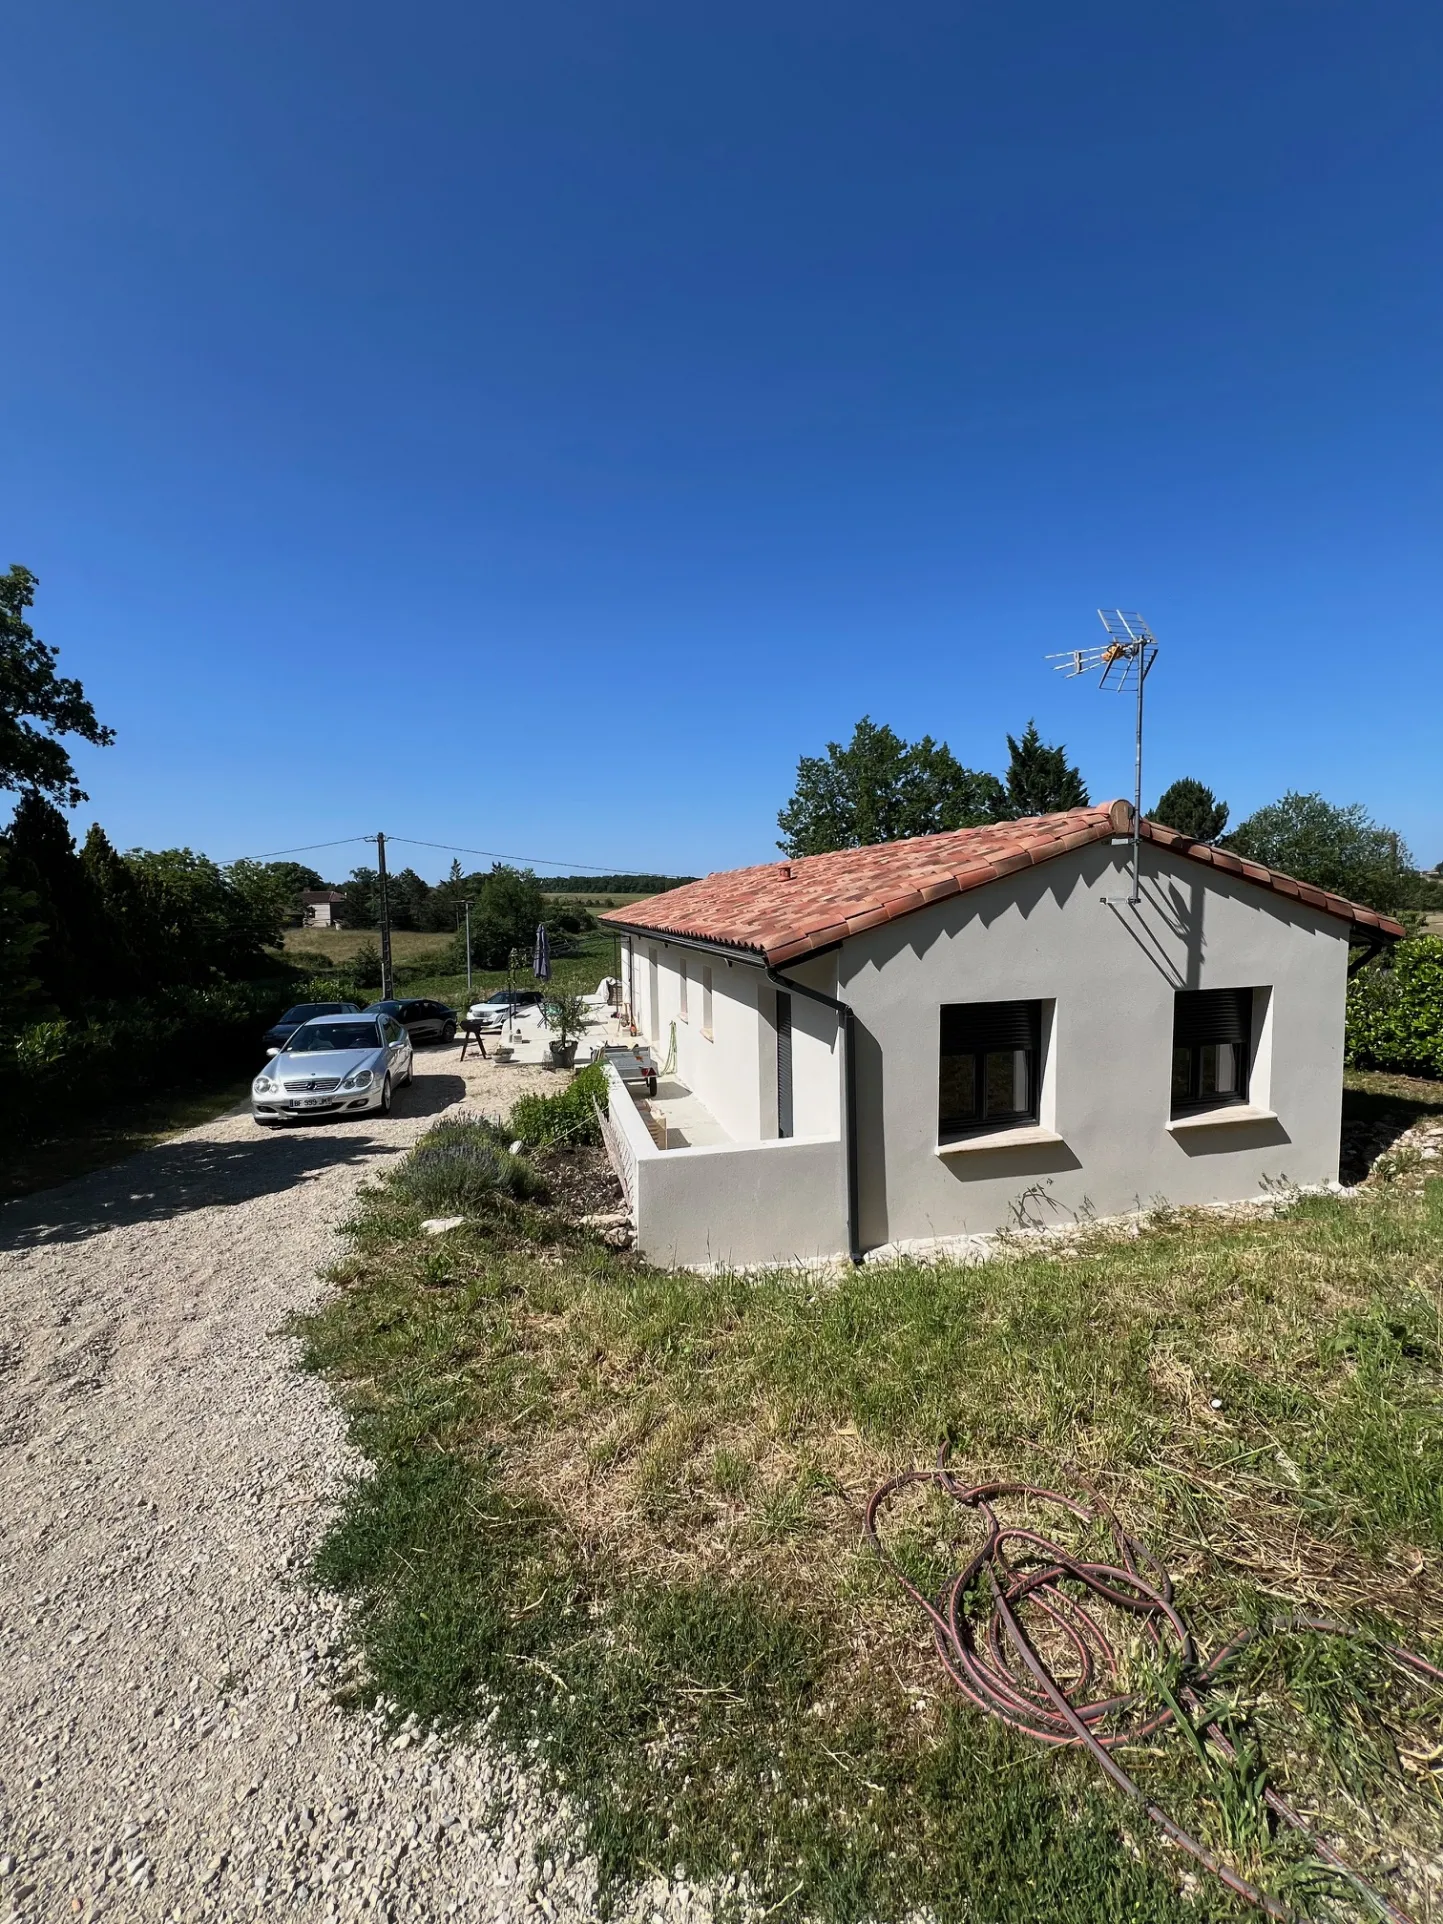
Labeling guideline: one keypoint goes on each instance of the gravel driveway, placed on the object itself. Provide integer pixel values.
(169, 1747)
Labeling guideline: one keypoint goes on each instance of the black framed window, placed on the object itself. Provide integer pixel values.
(989, 1065)
(1212, 1032)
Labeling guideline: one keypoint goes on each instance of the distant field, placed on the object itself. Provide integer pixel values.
(422, 961)
(338, 945)
(599, 901)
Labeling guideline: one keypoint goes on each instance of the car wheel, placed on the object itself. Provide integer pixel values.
(448, 1033)
(386, 1097)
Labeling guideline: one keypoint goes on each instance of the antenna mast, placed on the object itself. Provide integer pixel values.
(1123, 661)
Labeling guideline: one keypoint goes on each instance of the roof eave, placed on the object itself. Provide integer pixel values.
(710, 945)
(1357, 914)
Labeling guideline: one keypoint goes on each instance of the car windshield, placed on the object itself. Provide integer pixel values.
(321, 1036)
(303, 1011)
(383, 1008)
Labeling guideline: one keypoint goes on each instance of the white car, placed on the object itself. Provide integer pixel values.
(336, 1064)
(490, 1015)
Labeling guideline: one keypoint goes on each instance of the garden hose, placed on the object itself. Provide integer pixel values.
(989, 1654)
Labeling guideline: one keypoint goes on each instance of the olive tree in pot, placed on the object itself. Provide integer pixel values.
(569, 1017)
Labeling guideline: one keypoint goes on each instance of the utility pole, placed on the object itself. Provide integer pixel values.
(467, 906)
(387, 982)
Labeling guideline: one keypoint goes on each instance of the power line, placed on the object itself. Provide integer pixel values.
(457, 848)
(306, 848)
(537, 861)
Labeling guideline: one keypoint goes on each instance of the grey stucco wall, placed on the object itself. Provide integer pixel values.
(1110, 974)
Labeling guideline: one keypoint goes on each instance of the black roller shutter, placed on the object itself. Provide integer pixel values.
(1211, 1015)
(968, 1027)
(784, 1064)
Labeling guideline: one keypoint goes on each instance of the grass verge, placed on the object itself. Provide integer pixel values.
(89, 1142)
(615, 1513)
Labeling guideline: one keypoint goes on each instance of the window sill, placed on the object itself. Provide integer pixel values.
(1023, 1136)
(1223, 1118)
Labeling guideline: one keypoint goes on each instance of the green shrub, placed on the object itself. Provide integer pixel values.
(42, 1047)
(51, 1070)
(460, 1166)
(316, 960)
(1395, 1011)
(332, 988)
(365, 965)
(567, 1116)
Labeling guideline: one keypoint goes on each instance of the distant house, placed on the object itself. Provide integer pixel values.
(320, 908)
(893, 1046)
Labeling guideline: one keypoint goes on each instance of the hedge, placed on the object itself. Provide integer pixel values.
(1395, 1011)
(52, 1070)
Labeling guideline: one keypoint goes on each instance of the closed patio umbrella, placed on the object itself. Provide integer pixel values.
(541, 965)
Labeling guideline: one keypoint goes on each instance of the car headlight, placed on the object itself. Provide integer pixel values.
(263, 1086)
(362, 1079)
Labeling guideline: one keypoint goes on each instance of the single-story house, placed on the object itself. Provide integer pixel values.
(320, 908)
(888, 1047)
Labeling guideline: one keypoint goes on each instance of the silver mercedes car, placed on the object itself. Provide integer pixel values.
(333, 1065)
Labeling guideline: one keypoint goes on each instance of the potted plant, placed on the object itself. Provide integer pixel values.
(569, 1016)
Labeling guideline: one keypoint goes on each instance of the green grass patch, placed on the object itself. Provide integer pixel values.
(615, 1514)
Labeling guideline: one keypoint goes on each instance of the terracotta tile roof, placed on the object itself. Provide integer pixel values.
(785, 910)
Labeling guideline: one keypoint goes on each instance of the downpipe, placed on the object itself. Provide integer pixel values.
(847, 1022)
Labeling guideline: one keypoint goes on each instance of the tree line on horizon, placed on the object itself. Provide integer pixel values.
(88, 923)
(881, 788)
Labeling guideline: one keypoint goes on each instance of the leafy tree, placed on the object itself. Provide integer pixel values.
(75, 953)
(508, 906)
(37, 706)
(263, 902)
(407, 895)
(129, 937)
(21, 933)
(880, 788)
(1342, 849)
(1423, 892)
(1191, 809)
(202, 921)
(1040, 780)
(295, 878)
(362, 906)
(443, 904)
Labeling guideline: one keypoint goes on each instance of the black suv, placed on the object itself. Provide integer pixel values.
(423, 1021)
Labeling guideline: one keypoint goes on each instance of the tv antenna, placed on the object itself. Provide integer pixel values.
(1121, 663)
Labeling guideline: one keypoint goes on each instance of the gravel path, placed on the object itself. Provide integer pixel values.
(169, 1747)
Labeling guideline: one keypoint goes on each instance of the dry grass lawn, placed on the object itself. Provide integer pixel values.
(617, 1511)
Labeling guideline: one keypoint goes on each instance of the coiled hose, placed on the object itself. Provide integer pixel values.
(995, 1662)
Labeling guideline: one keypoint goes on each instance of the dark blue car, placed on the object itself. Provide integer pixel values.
(280, 1033)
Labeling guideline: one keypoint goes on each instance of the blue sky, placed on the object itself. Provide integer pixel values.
(532, 428)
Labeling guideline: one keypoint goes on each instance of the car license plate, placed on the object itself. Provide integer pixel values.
(310, 1102)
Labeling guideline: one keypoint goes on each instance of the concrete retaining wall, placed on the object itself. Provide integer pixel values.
(730, 1204)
